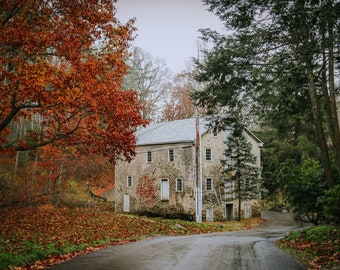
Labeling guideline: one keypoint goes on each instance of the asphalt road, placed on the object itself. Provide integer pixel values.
(248, 250)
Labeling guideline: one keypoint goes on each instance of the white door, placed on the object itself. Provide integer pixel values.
(164, 189)
(126, 203)
(210, 215)
(247, 211)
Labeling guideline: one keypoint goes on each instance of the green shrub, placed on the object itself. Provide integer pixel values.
(331, 205)
(321, 233)
(304, 185)
(317, 247)
(173, 212)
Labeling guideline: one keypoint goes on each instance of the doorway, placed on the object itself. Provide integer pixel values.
(126, 204)
(229, 211)
(164, 189)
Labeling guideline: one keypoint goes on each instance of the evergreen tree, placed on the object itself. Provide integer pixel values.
(239, 166)
(279, 61)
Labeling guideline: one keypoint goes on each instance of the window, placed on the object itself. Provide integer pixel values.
(164, 189)
(208, 154)
(179, 184)
(171, 154)
(249, 184)
(208, 184)
(149, 156)
(215, 132)
(129, 181)
(228, 189)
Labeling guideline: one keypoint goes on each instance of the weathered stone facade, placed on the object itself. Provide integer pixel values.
(159, 168)
(170, 167)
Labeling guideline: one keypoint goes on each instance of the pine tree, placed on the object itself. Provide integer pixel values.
(239, 166)
(280, 59)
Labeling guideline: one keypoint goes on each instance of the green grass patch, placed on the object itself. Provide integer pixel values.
(317, 247)
(31, 251)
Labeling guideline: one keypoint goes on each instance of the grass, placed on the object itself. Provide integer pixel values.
(33, 238)
(317, 247)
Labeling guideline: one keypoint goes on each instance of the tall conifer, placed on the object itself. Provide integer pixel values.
(239, 166)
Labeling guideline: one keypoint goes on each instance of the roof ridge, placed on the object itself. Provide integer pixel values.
(165, 132)
(156, 127)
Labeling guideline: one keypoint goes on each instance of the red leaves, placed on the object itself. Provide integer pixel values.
(63, 60)
(146, 190)
(90, 229)
(313, 253)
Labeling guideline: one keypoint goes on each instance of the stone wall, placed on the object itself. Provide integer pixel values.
(159, 168)
(183, 167)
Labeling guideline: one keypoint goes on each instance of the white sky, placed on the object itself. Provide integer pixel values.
(168, 29)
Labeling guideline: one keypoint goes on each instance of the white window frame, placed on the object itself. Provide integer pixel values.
(179, 180)
(228, 189)
(206, 156)
(148, 156)
(129, 181)
(171, 154)
(211, 184)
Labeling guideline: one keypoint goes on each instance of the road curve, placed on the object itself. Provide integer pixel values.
(248, 250)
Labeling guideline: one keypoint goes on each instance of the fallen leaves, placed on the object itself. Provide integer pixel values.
(33, 238)
(317, 247)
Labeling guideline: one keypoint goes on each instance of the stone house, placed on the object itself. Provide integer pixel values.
(175, 171)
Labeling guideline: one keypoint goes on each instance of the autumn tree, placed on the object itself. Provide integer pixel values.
(149, 77)
(180, 105)
(61, 68)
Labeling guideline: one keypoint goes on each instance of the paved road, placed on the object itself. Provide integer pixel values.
(245, 250)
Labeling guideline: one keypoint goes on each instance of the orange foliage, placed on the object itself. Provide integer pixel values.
(180, 105)
(31, 177)
(316, 255)
(61, 67)
(91, 169)
(47, 226)
(146, 190)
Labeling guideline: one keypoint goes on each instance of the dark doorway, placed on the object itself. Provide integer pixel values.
(229, 210)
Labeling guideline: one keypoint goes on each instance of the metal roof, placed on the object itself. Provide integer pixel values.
(177, 131)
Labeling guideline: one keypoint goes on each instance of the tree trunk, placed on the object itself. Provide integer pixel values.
(319, 129)
(34, 168)
(328, 89)
(16, 165)
(307, 52)
(333, 109)
(239, 199)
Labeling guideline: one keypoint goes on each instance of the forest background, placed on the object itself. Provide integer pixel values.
(68, 109)
(74, 91)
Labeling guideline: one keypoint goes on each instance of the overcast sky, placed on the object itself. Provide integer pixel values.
(168, 29)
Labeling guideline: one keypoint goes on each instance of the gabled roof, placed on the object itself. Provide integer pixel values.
(255, 137)
(177, 131)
